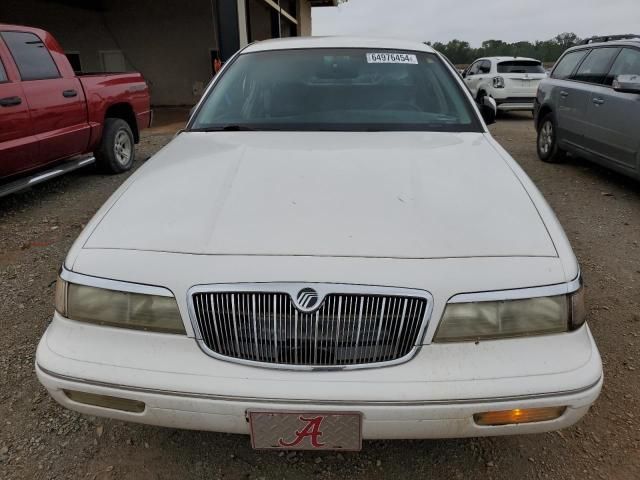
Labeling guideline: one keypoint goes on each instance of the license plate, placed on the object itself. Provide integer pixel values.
(306, 430)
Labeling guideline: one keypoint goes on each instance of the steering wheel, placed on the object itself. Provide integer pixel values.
(400, 103)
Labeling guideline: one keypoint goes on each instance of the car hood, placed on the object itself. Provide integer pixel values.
(394, 195)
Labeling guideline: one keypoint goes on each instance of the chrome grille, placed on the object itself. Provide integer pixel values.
(348, 329)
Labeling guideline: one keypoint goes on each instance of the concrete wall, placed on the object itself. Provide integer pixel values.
(168, 41)
(76, 29)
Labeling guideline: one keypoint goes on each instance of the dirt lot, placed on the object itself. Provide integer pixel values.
(38, 439)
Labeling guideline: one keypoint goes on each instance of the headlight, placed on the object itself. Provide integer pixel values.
(511, 318)
(118, 308)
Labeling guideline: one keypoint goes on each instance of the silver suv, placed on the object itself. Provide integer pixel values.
(590, 105)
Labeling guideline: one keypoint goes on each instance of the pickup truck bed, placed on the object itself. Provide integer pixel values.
(113, 91)
(49, 114)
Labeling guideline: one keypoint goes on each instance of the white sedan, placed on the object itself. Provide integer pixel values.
(335, 249)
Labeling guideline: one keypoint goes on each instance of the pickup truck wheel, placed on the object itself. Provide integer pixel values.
(547, 144)
(116, 152)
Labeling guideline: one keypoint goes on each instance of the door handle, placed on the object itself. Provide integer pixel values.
(598, 101)
(69, 93)
(10, 101)
(564, 94)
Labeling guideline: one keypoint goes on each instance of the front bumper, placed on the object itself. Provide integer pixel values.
(433, 396)
(380, 421)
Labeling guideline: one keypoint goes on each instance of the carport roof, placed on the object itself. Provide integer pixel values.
(325, 3)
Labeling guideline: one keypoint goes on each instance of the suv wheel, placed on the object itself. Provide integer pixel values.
(548, 150)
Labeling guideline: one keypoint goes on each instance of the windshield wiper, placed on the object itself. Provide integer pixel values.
(225, 128)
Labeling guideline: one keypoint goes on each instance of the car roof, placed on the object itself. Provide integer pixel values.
(48, 39)
(337, 42)
(511, 59)
(627, 42)
(22, 28)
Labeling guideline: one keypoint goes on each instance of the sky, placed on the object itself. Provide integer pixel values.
(476, 20)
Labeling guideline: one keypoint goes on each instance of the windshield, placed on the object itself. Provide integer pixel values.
(521, 66)
(337, 90)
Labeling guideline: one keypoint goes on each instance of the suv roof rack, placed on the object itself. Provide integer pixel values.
(609, 38)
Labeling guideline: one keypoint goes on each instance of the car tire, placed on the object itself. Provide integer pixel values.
(116, 152)
(547, 142)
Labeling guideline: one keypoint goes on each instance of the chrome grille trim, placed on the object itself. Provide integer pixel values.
(351, 326)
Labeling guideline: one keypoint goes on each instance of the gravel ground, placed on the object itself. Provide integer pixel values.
(38, 439)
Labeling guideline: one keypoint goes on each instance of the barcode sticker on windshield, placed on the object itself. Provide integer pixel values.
(392, 58)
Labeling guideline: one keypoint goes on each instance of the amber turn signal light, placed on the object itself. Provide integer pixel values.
(518, 415)
(105, 401)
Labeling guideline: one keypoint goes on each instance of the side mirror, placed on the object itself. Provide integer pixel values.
(489, 110)
(627, 83)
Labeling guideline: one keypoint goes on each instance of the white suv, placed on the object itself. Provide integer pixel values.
(511, 81)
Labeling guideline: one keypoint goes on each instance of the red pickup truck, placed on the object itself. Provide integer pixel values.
(49, 114)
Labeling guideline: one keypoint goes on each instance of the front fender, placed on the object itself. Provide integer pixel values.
(484, 86)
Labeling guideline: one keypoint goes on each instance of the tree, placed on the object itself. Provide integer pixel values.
(567, 40)
(496, 47)
(461, 52)
(523, 49)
